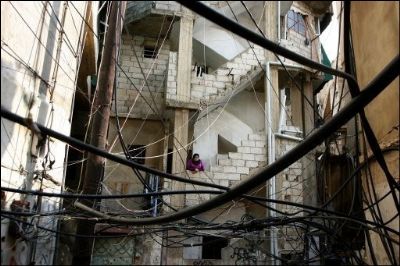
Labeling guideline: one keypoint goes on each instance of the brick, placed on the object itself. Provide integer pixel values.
(260, 144)
(224, 183)
(256, 137)
(285, 184)
(249, 156)
(233, 176)
(238, 162)
(258, 150)
(260, 158)
(196, 94)
(244, 150)
(295, 171)
(231, 65)
(171, 84)
(136, 75)
(242, 170)
(222, 78)
(209, 77)
(235, 155)
(219, 84)
(211, 90)
(225, 162)
(127, 63)
(122, 93)
(220, 176)
(222, 72)
(162, 67)
(222, 156)
(217, 169)
(198, 88)
(296, 165)
(208, 83)
(236, 71)
(124, 86)
(252, 164)
(249, 143)
(122, 109)
(229, 169)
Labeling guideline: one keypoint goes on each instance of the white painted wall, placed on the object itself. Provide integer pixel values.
(224, 44)
(246, 108)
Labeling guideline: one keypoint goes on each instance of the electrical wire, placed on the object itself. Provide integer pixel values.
(378, 84)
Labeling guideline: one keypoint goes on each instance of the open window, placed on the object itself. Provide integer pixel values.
(296, 22)
(212, 247)
(206, 248)
(150, 49)
(150, 52)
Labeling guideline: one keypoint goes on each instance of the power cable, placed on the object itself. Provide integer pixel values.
(377, 85)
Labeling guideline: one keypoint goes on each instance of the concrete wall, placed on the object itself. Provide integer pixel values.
(226, 125)
(377, 24)
(130, 76)
(289, 187)
(296, 41)
(120, 179)
(246, 108)
(31, 34)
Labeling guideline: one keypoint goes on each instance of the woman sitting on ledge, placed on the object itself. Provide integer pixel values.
(195, 164)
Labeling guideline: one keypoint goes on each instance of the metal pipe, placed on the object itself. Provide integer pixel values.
(288, 137)
(271, 157)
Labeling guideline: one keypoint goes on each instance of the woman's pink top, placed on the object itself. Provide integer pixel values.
(192, 167)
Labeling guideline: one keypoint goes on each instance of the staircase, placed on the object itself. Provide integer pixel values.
(236, 166)
(231, 168)
(207, 36)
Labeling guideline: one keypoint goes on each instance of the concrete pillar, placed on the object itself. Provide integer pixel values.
(180, 154)
(184, 58)
(271, 25)
(175, 256)
(183, 94)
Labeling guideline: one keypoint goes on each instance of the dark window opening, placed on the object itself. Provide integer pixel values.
(137, 153)
(225, 146)
(287, 94)
(149, 52)
(282, 26)
(212, 247)
(295, 22)
(169, 161)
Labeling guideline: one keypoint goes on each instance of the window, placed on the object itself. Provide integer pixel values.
(317, 26)
(212, 247)
(295, 22)
(287, 93)
(149, 52)
(137, 153)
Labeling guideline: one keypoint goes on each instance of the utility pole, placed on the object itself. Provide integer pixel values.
(101, 114)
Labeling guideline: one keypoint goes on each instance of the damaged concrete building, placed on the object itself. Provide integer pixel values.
(188, 86)
(47, 51)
